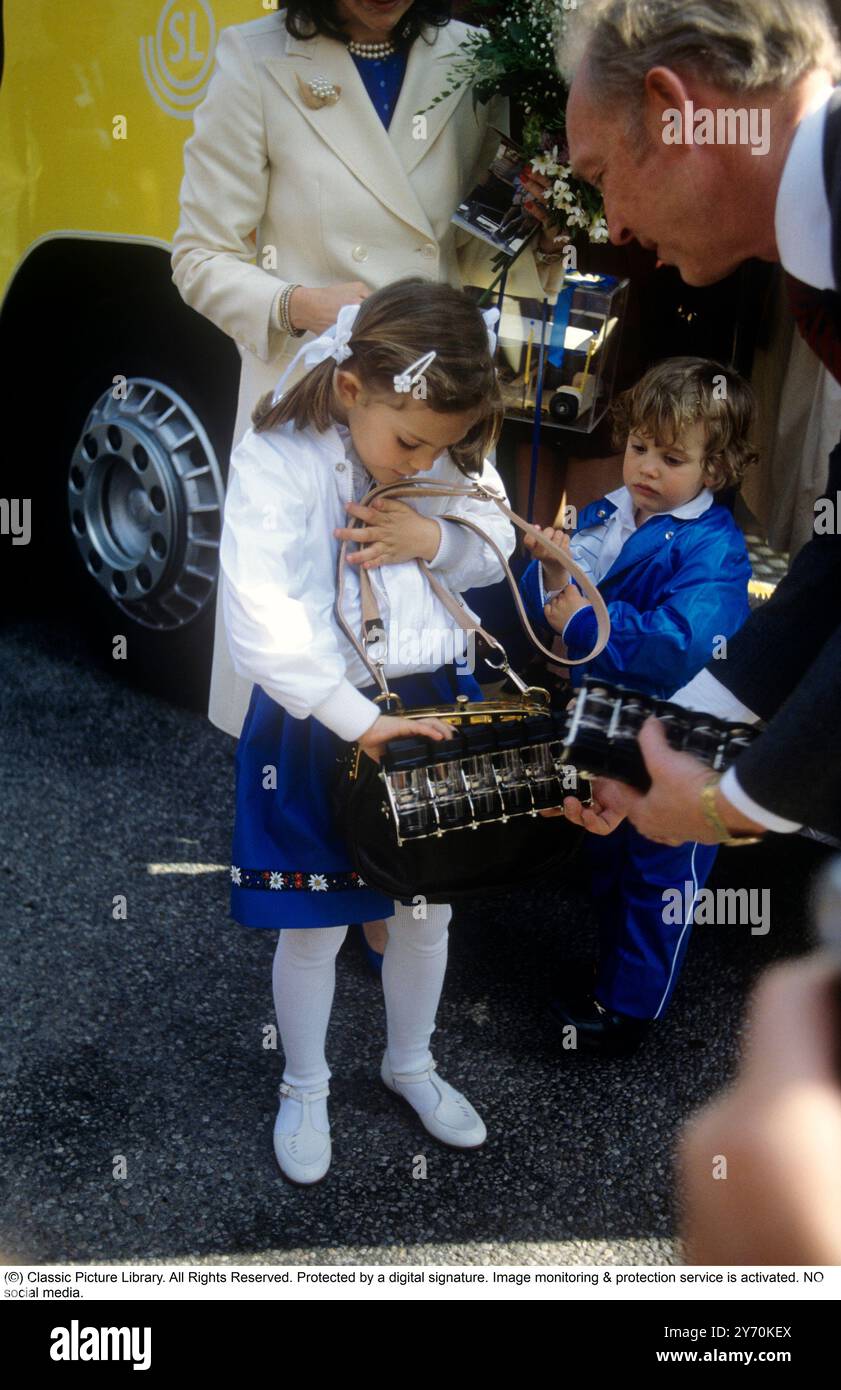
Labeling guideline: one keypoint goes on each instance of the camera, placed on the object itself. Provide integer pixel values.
(569, 403)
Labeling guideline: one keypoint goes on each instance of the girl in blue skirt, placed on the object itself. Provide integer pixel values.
(402, 384)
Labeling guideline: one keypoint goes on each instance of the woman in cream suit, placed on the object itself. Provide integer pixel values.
(282, 187)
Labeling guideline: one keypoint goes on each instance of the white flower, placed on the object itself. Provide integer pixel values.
(317, 883)
(236, 874)
(546, 163)
(562, 195)
(276, 880)
(576, 217)
(599, 230)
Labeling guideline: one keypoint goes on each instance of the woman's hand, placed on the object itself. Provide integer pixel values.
(554, 572)
(318, 309)
(536, 186)
(389, 726)
(394, 532)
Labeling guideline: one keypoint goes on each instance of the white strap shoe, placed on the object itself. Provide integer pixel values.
(453, 1121)
(304, 1155)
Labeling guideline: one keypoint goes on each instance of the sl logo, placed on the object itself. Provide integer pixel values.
(176, 62)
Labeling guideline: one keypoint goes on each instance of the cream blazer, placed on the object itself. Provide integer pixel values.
(275, 191)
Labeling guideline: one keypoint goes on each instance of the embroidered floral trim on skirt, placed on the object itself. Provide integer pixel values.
(290, 866)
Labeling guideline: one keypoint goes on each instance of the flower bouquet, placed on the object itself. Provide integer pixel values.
(513, 55)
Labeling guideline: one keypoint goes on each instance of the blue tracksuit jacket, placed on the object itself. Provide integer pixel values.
(676, 586)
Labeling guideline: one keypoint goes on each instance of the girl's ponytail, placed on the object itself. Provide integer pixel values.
(308, 402)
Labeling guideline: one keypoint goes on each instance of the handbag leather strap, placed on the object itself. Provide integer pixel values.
(373, 627)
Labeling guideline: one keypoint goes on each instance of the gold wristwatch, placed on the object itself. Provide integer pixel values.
(713, 819)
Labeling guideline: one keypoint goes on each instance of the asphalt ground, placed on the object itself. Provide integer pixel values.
(138, 1097)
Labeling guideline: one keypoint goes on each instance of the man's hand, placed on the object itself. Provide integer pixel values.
(670, 812)
(394, 532)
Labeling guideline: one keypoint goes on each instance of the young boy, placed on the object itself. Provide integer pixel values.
(673, 569)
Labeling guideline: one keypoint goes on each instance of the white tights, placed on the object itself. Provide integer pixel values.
(304, 978)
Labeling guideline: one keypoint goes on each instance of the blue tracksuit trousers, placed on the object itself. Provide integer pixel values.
(642, 946)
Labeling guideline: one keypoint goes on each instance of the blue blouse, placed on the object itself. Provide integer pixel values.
(383, 78)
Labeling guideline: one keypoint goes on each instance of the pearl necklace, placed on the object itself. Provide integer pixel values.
(372, 50)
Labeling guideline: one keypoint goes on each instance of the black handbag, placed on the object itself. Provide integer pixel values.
(453, 819)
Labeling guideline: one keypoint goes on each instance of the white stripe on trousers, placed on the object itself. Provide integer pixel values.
(686, 927)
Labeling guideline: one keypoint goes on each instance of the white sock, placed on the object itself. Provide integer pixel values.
(414, 966)
(303, 980)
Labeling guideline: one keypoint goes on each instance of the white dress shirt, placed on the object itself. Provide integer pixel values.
(803, 221)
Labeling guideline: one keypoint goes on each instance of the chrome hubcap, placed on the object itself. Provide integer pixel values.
(146, 499)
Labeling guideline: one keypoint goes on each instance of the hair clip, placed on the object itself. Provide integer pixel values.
(404, 381)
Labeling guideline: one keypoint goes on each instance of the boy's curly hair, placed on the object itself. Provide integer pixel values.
(682, 391)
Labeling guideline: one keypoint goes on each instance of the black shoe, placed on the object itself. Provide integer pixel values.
(596, 1029)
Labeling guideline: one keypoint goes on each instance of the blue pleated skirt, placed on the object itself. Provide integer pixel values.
(289, 864)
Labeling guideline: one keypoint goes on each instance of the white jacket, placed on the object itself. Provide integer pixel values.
(287, 491)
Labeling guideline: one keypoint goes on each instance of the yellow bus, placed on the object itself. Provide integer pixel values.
(122, 399)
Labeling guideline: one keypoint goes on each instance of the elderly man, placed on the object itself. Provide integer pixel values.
(713, 131)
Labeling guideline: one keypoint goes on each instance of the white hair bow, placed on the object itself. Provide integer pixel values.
(491, 317)
(333, 342)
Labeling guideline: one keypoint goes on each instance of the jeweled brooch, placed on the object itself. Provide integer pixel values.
(319, 92)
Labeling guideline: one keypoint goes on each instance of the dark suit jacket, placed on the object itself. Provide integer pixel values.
(785, 663)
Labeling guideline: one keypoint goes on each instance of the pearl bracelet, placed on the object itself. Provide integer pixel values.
(284, 322)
